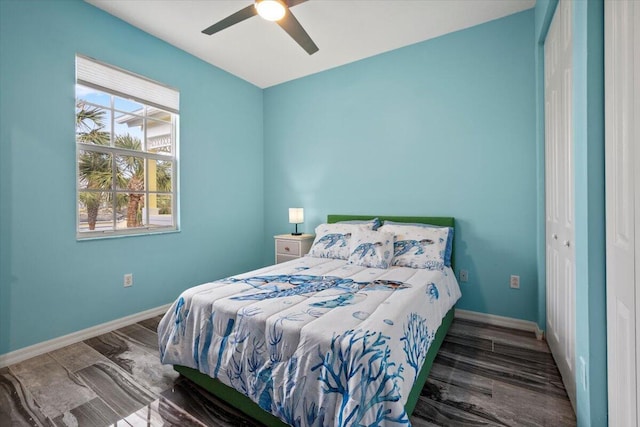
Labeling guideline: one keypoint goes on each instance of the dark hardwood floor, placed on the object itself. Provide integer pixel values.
(483, 376)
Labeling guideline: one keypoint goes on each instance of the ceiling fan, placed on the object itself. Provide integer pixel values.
(271, 10)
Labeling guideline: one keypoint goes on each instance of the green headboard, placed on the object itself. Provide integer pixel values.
(445, 221)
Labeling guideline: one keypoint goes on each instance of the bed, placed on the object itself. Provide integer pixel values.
(316, 341)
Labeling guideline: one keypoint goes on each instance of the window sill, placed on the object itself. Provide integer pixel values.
(89, 236)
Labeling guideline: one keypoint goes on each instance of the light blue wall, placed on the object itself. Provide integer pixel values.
(51, 284)
(443, 127)
(588, 101)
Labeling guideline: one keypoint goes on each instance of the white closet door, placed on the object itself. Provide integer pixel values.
(559, 194)
(622, 127)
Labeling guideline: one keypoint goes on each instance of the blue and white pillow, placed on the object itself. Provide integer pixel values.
(371, 249)
(371, 224)
(419, 247)
(333, 240)
(448, 249)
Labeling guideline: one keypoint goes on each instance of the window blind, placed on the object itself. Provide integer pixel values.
(101, 76)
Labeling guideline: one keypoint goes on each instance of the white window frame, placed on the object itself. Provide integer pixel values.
(117, 82)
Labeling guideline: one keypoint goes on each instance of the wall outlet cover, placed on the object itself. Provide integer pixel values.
(464, 276)
(583, 372)
(515, 282)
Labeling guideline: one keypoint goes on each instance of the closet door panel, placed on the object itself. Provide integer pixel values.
(622, 63)
(559, 187)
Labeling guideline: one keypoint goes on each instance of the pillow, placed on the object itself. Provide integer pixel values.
(412, 224)
(371, 249)
(371, 224)
(449, 248)
(332, 240)
(419, 247)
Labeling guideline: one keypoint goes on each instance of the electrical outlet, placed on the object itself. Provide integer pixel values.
(515, 282)
(128, 280)
(583, 373)
(464, 276)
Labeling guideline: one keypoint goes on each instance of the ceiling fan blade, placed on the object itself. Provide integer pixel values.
(230, 20)
(291, 25)
(292, 3)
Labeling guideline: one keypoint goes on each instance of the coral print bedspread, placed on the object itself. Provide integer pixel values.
(314, 341)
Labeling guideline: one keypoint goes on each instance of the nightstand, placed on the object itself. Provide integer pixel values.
(290, 247)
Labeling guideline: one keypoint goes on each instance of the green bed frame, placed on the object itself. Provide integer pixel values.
(249, 407)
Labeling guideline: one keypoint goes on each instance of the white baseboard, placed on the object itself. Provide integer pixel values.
(75, 337)
(507, 322)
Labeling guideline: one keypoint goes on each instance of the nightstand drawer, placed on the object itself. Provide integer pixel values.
(288, 247)
(291, 246)
(284, 258)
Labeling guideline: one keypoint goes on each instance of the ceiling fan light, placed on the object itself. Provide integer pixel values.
(271, 10)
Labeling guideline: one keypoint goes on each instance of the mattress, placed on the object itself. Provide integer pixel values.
(313, 341)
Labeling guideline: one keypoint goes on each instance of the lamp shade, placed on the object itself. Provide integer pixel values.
(296, 215)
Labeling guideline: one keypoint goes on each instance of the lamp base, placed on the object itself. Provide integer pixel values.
(296, 232)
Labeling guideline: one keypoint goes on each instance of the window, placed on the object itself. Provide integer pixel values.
(126, 143)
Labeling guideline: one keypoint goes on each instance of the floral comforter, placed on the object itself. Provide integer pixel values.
(313, 341)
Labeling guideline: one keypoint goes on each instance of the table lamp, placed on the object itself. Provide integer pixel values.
(296, 216)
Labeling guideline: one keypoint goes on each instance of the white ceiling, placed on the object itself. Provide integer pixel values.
(345, 30)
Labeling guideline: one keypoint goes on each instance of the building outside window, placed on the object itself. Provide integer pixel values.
(127, 152)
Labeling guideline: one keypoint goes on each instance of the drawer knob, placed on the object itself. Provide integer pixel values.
(286, 248)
